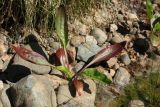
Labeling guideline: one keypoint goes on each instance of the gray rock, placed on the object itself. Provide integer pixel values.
(39, 69)
(122, 77)
(86, 51)
(99, 35)
(33, 91)
(4, 97)
(136, 103)
(65, 99)
(125, 59)
(77, 40)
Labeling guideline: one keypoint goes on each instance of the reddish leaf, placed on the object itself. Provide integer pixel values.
(104, 54)
(60, 54)
(30, 56)
(107, 53)
(78, 86)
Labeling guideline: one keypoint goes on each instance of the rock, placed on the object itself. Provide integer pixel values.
(3, 48)
(65, 98)
(90, 40)
(113, 27)
(112, 72)
(132, 16)
(54, 45)
(1, 85)
(86, 51)
(115, 2)
(125, 59)
(122, 77)
(111, 62)
(79, 28)
(33, 91)
(1, 104)
(99, 35)
(116, 66)
(1, 64)
(136, 103)
(117, 38)
(77, 40)
(157, 2)
(5, 97)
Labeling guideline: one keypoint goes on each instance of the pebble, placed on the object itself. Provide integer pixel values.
(132, 16)
(1, 85)
(90, 40)
(117, 38)
(3, 48)
(55, 45)
(136, 103)
(122, 77)
(86, 51)
(78, 66)
(77, 40)
(112, 72)
(113, 27)
(125, 59)
(1, 64)
(99, 35)
(111, 62)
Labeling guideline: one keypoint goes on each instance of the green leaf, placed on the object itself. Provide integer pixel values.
(156, 27)
(155, 40)
(149, 8)
(94, 74)
(61, 26)
(65, 70)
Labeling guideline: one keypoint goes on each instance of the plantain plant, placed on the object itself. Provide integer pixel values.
(62, 54)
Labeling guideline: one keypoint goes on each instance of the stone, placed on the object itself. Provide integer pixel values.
(112, 72)
(1, 64)
(113, 27)
(117, 38)
(77, 40)
(54, 45)
(33, 91)
(5, 97)
(78, 27)
(122, 77)
(3, 48)
(86, 51)
(99, 35)
(125, 59)
(132, 16)
(136, 103)
(90, 40)
(111, 62)
(1, 85)
(65, 98)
